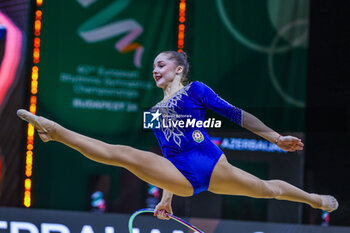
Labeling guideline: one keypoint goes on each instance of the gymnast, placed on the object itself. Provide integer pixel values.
(191, 162)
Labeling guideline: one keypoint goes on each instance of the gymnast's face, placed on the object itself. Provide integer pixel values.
(164, 70)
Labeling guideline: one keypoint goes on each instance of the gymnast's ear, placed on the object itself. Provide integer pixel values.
(179, 69)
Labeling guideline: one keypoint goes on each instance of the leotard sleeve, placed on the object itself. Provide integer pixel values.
(214, 102)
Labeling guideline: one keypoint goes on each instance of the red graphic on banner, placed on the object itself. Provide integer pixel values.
(12, 38)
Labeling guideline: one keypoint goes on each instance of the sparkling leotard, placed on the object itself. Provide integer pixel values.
(190, 148)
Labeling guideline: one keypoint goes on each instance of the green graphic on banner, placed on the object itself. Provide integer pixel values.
(96, 78)
(255, 53)
(288, 27)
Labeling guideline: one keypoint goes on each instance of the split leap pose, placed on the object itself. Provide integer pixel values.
(191, 162)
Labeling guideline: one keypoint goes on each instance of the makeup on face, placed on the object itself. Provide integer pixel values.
(163, 70)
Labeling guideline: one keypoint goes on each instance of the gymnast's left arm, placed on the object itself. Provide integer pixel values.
(253, 124)
(212, 101)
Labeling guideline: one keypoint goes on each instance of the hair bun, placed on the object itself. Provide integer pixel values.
(183, 54)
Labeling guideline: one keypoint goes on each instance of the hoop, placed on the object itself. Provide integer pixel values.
(183, 222)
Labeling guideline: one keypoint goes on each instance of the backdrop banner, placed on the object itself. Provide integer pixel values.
(96, 78)
(96, 61)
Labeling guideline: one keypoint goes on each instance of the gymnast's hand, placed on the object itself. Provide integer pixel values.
(290, 143)
(162, 209)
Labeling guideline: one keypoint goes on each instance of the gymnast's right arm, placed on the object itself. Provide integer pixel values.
(164, 206)
(212, 101)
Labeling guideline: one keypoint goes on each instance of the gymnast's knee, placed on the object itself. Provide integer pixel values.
(271, 189)
(121, 148)
(121, 153)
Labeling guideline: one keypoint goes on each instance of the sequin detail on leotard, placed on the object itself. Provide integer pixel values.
(190, 149)
(167, 107)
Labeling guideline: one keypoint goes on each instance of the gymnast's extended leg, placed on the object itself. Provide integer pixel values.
(227, 179)
(148, 166)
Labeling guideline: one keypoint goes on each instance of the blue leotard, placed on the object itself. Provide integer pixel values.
(190, 148)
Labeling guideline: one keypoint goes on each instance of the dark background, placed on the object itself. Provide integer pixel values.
(327, 112)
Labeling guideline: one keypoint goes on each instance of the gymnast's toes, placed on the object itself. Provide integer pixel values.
(42, 125)
(329, 203)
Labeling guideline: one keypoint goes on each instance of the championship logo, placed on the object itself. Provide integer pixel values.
(197, 136)
(101, 27)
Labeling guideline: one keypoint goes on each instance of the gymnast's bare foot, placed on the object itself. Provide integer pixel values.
(328, 203)
(44, 126)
